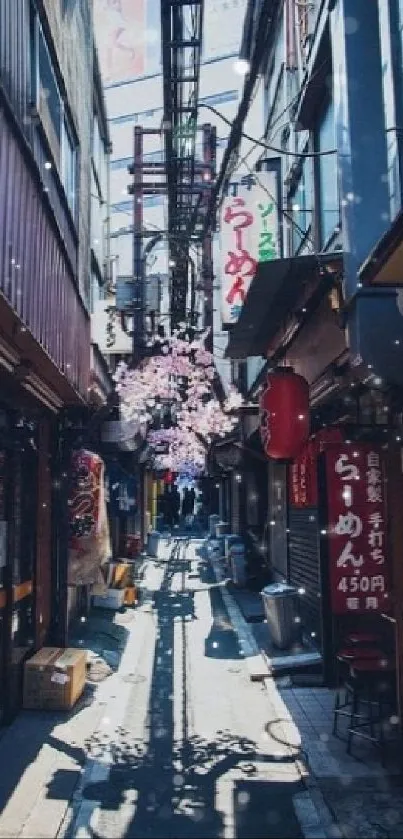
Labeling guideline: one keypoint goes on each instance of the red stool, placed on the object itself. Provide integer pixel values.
(345, 658)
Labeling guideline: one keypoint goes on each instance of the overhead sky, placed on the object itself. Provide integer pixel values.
(128, 35)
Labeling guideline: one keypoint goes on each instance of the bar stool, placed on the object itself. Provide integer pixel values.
(345, 657)
(372, 682)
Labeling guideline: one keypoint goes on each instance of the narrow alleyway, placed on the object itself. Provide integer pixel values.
(179, 741)
(191, 756)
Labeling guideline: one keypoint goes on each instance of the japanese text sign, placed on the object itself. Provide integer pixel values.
(303, 490)
(249, 234)
(357, 528)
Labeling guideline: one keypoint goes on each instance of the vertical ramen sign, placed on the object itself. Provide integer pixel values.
(357, 528)
(249, 234)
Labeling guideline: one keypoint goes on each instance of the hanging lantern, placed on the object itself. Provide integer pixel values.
(168, 477)
(284, 414)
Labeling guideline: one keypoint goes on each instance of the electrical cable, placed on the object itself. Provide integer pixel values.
(264, 145)
(305, 235)
(237, 162)
(264, 26)
(270, 125)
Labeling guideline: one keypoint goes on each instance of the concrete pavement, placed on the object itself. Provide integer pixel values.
(177, 742)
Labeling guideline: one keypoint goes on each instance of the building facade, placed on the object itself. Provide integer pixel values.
(130, 58)
(46, 125)
(324, 308)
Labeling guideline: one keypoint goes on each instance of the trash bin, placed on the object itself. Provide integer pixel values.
(280, 605)
(212, 521)
(237, 564)
(152, 542)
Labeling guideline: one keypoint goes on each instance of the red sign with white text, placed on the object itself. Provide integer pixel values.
(357, 528)
(303, 478)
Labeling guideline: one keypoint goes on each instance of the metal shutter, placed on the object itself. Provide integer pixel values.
(304, 566)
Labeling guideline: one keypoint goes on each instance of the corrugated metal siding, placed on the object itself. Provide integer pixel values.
(57, 202)
(304, 565)
(15, 78)
(34, 273)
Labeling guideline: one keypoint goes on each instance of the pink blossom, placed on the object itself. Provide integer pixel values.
(174, 378)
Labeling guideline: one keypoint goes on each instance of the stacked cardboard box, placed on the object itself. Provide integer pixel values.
(121, 590)
(54, 678)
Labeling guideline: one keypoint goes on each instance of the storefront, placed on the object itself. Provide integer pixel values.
(25, 545)
(299, 325)
(122, 503)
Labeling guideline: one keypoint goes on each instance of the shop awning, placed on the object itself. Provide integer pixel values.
(273, 294)
(225, 455)
(384, 266)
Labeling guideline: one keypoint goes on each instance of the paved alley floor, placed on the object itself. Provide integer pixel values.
(177, 742)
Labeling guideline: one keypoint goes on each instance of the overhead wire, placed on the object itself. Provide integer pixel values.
(264, 25)
(272, 124)
(266, 146)
(305, 235)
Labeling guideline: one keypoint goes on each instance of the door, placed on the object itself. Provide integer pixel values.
(22, 526)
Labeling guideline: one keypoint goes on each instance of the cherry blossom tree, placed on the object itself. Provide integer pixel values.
(180, 377)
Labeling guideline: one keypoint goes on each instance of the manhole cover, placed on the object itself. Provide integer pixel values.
(248, 768)
(133, 679)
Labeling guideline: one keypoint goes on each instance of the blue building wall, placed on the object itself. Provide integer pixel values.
(335, 73)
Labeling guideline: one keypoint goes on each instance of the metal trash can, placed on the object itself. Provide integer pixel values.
(237, 564)
(280, 605)
(152, 542)
(212, 521)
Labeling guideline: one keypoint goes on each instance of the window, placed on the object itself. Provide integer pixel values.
(306, 17)
(276, 96)
(47, 98)
(301, 203)
(329, 215)
(69, 167)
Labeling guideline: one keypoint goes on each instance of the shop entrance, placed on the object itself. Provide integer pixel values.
(18, 508)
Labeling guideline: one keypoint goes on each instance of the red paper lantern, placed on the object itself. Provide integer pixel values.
(168, 477)
(284, 415)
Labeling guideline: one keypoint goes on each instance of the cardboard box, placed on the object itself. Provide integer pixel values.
(118, 574)
(112, 599)
(54, 678)
(131, 596)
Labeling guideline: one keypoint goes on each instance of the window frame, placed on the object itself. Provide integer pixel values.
(67, 132)
(66, 127)
(301, 178)
(323, 238)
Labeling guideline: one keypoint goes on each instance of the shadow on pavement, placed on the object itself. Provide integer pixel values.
(22, 741)
(171, 776)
